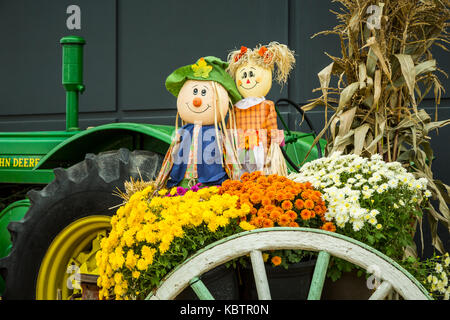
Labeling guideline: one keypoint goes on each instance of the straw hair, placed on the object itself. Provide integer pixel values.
(277, 57)
(275, 163)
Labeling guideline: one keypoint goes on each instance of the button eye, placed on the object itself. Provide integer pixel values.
(252, 74)
(204, 92)
(245, 75)
(195, 91)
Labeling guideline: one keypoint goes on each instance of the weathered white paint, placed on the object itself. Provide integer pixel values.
(289, 238)
(382, 291)
(259, 272)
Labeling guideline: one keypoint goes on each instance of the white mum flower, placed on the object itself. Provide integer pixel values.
(358, 224)
(393, 183)
(374, 213)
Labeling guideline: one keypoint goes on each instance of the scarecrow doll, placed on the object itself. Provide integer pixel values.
(203, 150)
(255, 117)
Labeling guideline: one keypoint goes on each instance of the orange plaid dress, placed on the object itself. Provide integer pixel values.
(257, 124)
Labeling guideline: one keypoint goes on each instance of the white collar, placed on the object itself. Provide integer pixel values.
(249, 102)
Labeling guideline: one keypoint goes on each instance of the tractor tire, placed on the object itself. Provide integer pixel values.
(77, 193)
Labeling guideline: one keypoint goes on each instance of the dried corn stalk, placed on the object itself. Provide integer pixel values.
(385, 70)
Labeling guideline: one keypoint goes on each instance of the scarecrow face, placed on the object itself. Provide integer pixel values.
(253, 80)
(197, 99)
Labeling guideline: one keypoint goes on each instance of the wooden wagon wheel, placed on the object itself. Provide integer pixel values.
(394, 277)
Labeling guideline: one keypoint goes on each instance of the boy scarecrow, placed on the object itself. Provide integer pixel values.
(255, 117)
(203, 150)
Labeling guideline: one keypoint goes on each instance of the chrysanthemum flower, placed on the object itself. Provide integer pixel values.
(276, 260)
(305, 214)
(286, 205)
(329, 226)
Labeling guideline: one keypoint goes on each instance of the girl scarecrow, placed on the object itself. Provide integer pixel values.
(202, 151)
(255, 117)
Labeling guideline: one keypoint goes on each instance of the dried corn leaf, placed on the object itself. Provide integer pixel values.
(371, 62)
(362, 76)
(360, 138)
(347, 94)
(345, 121)
(374, 45)
(409, 74)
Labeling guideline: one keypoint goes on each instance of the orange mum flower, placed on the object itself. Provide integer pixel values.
(274, 215)
(255, 198)
(271, 195)
(284, 220)
(292, 215)
(328, 226)
(306, 194)
(305, 214)
(258, 222)
(265, 201)
(280, 196)
(261, 180)
(293, 224)
(245, 176)
(255, 175)
(318, 210)
(278, 185)
(290, 196)
(262, 213)
(244, 198)
(309, 204)
(299, 204)
(268, 223)
(286, 205)
(276, 260)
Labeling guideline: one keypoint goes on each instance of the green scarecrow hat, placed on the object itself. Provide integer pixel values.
(207, 68)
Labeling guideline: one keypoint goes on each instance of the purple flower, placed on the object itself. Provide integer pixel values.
(181, 191)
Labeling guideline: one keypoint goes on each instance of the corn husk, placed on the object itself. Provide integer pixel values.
(383, 75)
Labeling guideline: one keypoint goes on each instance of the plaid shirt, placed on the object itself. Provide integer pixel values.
(252, 122)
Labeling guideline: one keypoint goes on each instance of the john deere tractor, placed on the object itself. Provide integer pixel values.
(70, 178)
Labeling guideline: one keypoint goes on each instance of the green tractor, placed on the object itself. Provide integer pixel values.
(70, 178)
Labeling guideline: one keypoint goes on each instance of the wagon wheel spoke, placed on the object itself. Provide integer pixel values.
(383, 290)
(259, 272)
(320, 271)
(200, 289)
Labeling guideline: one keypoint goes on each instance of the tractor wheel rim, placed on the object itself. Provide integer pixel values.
(67, 244)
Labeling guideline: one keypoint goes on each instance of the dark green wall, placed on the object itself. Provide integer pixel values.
(133, 45)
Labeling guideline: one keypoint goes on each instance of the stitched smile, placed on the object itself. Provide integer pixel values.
(187, 104)
(251, 87)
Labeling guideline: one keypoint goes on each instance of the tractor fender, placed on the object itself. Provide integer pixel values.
(113, 136)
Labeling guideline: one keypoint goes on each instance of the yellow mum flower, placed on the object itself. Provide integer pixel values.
(130, 261)
(142, 264)
(147, 254)
(246, 226)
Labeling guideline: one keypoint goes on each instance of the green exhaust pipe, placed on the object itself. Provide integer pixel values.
(72, 77)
